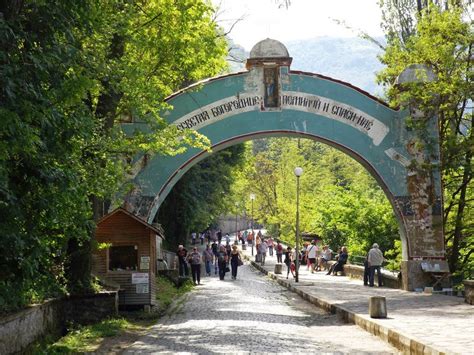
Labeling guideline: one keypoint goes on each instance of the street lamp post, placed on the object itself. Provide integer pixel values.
(252, 198)
(298, 173)
(236, 217)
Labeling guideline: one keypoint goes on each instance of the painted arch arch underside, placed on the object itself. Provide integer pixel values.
(275, 101)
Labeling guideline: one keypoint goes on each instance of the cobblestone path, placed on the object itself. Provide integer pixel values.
(252, 315)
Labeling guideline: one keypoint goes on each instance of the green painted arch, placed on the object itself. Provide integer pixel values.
(271, 100)
(376, 147)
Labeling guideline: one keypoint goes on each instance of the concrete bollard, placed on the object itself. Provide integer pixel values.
(377, 307)
(278, 268)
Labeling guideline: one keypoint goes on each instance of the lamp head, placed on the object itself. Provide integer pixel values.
(252, 197)
(298, 171)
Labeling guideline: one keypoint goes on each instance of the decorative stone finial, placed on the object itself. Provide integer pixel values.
(416, 73)
(269, 52)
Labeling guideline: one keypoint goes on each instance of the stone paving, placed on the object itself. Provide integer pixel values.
(416, 323)
(253, 314)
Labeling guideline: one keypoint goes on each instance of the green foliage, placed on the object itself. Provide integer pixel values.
(441, 39)
(85, 339)
(71, 71)
(167, 292)
(338, 199)
(200, 196)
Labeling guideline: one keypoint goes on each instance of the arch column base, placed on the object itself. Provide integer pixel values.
(413, 276)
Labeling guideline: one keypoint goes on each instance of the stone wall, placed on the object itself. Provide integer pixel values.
(469, 291)
(357, 272)
(227, 223)
(20, 330)
(89, 309)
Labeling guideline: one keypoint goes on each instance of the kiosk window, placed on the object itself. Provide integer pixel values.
(123, 258)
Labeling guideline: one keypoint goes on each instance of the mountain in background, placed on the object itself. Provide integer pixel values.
(353, 60)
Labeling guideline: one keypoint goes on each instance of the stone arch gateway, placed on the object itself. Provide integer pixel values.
(271, 100)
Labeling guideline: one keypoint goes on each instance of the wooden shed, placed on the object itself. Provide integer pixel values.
(129, 259)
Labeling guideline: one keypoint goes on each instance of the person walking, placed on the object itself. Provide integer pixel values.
(375, 260)
(201, 237)
(227, 238)
(183, 266)
(270, 246)
(366, 270)
(290, 266)
(215, 251)
(311, 256)
(279, 252)
(222, 260)
(194, 259)
(219, 236)
(235, 261)
(193, 237)
(262, 249)
(208, 257)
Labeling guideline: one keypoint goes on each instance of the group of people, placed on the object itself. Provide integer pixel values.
(210, 236)
(313, 255)
(315, 259)
(218, 255)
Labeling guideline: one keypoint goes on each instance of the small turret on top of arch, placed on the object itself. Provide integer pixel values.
(269, 60)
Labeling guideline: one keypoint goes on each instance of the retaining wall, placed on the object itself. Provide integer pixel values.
(20, 330)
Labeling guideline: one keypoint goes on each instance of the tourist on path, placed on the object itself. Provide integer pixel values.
(222, 260)
(183, 266)
(311, 256)
(250, 238)
(208, 257)
(193, 238)
(215, 251)
(201, 237)
(227, 238)
(194, 259)
(326, 255)
(375, 260)
(366, 270)
(305, 259)
(279, 252)
(235, 260)
(219, 236)
(270, 246)
(262, 250)
(289, 262)
(339, 264)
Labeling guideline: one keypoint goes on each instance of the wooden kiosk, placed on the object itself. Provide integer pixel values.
(129, 260)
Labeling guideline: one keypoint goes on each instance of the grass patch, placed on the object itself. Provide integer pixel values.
(167, 292)
(102, 336)
(89, 338)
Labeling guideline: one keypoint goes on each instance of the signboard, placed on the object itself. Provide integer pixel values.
(145, 263)
(140, 278)
(142, 288)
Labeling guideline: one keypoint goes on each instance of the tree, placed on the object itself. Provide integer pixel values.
(338, 199)
(71, 72)
(441, 39)
(200, 197)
